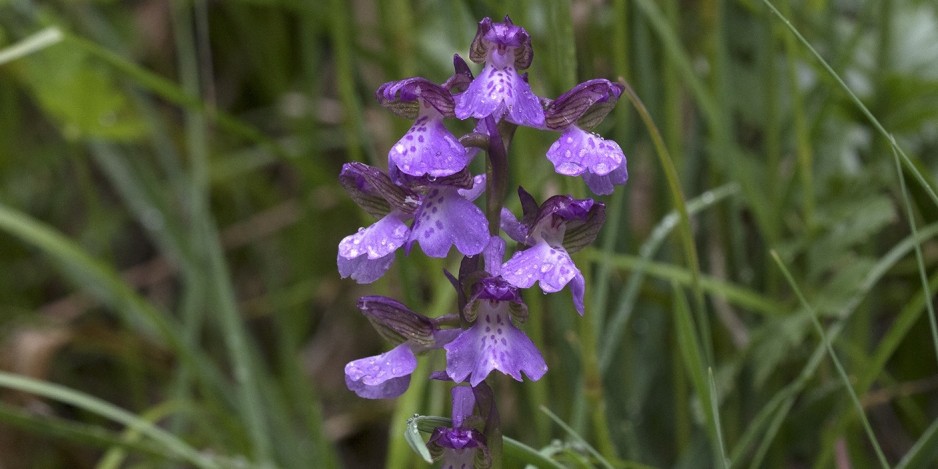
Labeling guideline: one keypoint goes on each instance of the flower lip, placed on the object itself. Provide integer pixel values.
(404, 97)
(502, 36)
(584, 105)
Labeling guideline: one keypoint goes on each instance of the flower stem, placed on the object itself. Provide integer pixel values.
(496, 182)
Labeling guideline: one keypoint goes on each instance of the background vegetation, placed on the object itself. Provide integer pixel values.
(169, 217)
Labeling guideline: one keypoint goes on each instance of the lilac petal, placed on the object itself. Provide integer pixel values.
(577, 289)
(551, 267)
(428, 148)
(604, 185)
(376, 241)
(381, 376)
(493, 343)
(497, 92)
(364, 270)
(445, 219)
(512, 227)
(478, 187)
(526, 109)
(577, 152)
(367, 254)
(493, 254)
(464, 403)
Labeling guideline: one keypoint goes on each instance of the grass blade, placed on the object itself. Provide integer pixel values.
(31, 44)
(853, 97)
(168, 441)
(830, 351)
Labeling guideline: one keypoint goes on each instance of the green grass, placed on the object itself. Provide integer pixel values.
(762, 294)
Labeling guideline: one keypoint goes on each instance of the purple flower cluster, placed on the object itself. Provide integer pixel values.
(426, 198)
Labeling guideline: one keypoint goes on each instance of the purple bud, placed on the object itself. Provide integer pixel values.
(396, 322)
(585, 105)
(367, 186)
(404, 97)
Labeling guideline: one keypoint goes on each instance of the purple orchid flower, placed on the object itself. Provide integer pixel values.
(388, 375)
(577, 152)
(460, 446)
(560, 226)
(443, 212)
(493, 342)
(499, 90)
(428, 148)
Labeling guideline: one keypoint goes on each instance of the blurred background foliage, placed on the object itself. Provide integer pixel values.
(169, 216)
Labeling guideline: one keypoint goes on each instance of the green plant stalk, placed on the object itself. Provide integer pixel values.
(203, 233)
(32, 44)
(538, 392)
(803, 150)
(830, 351)
(593, 388)
(695, 362)
(620, 57)
(355, 135)
(573, 434)
(919, 258)
(616, 326)
(677, 196)
(399, 453)
(923, 451)
(715, 411)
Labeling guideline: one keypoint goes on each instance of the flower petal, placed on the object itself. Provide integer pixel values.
(512, 227)
(493, 254)
(577, 289)
(577, 152)
(378, 240)
(366, 255)
(364, 270)
(551, 267)
(428, 148)
(493, 343)
(497, 92)
(445, 219)
(604, 185)
(381, 376)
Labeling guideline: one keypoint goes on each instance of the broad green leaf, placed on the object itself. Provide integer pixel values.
(79, 95)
